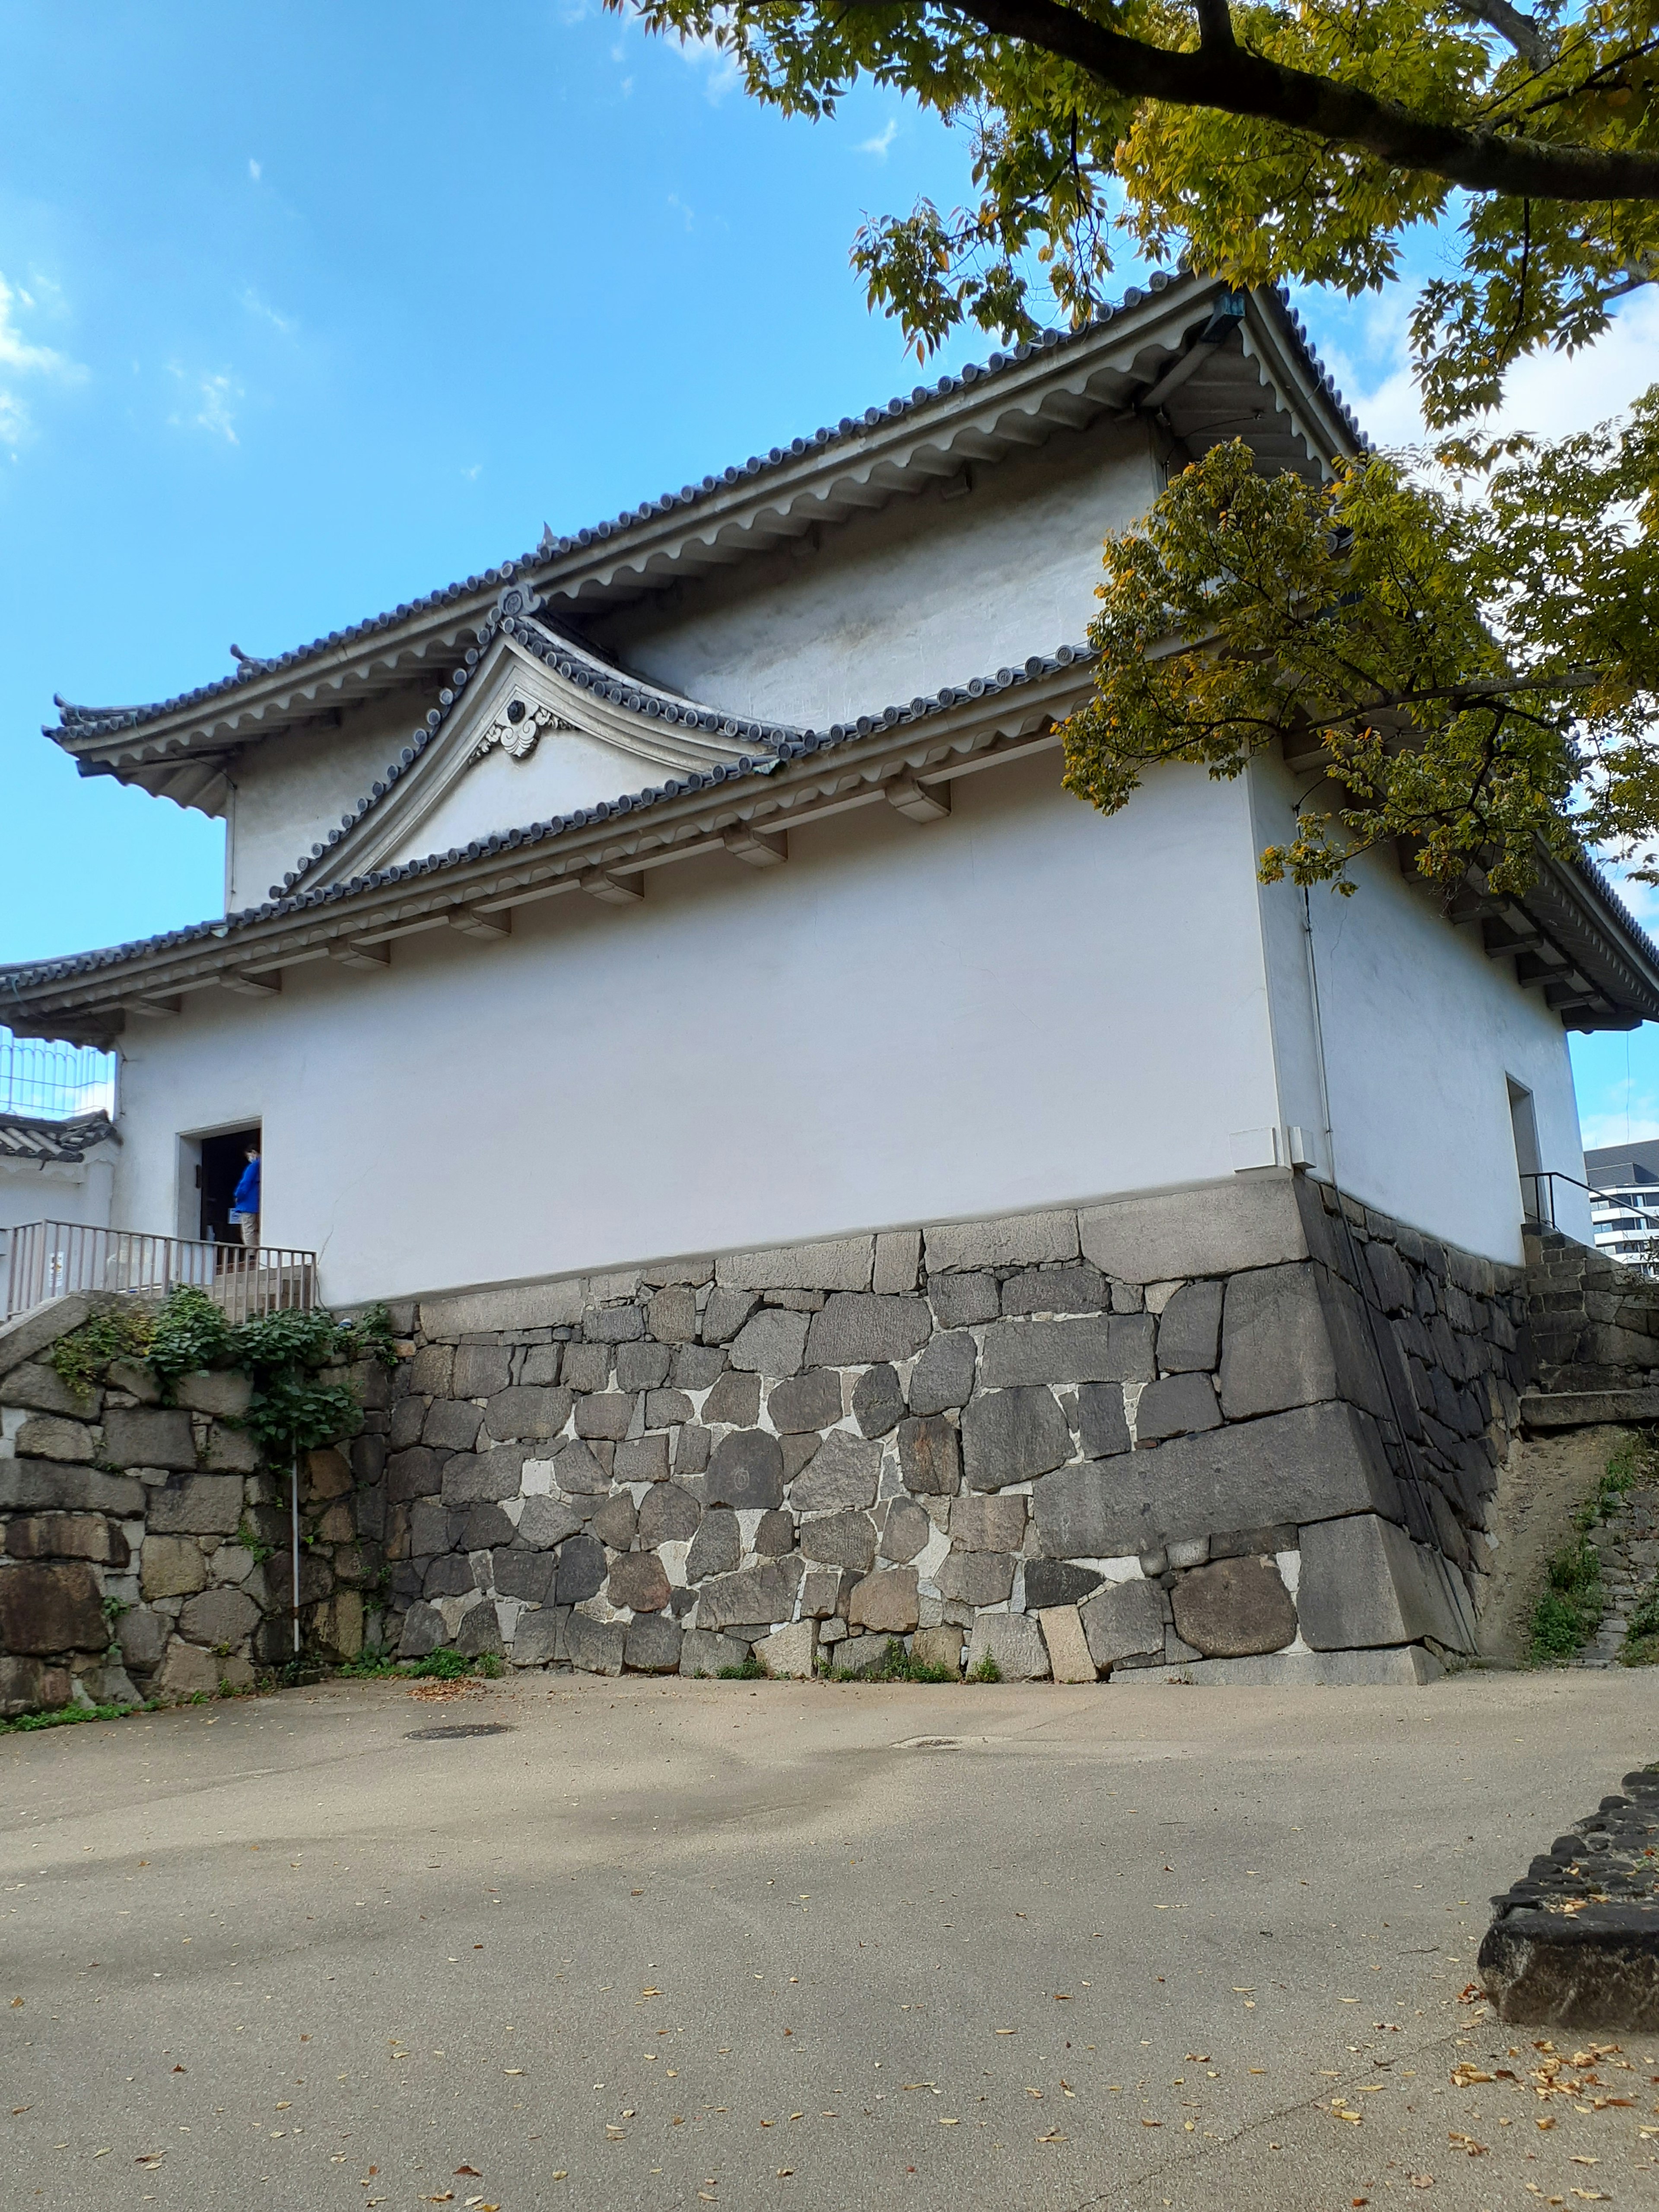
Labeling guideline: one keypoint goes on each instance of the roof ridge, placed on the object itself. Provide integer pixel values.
(87, 721)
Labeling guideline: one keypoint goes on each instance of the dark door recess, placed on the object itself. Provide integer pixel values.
(223, 1159)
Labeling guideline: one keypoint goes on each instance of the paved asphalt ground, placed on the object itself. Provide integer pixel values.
(663, 1944)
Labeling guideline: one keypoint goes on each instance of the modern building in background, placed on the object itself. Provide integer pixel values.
(1624, 1181)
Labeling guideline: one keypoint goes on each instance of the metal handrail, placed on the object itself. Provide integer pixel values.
(1542, 1212)
(51, 1258)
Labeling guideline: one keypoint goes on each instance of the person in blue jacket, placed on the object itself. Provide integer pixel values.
(245, 1204)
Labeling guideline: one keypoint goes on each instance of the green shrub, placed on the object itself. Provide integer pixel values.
(987, 1671)
(747, 1670)
(1570, 1612)
(1641, 1644)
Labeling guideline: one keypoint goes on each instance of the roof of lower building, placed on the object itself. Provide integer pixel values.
(54, 1143)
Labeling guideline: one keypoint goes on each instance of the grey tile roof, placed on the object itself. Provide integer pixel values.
(772, 745)
(93, 721)
(54, 1143)
(511, 617)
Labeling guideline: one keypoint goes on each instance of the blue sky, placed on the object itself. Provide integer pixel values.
(306, 310)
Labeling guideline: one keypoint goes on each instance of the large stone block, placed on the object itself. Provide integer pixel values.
(898, 1259)
(479, 1370)
(987, 1523)
(1189, 1330)
(672, 1315)
(197, 1505)
(606, 1414)
(613, 1324)
(725, 1314)
(546, 1522)
(1013, 1436)
(538, 1639)
(638, 1584)
(142, 1636)
(653, 1644)
(423, 1632)
(415, 1473)
(1299, 1466)
(735, 1398)
(578, 1473)
(643, 1366)
(26, 1335)
(820, 1597)
(513, 1306)
(218, 1616)
(527, 1575)
(231, 1452)
(595, 1647)
(44, 1609)
(1210, 1230)
(930, 1456)
(696, 1366)
(328, 1474)
(704, 1652)
(770, 1342)
(643, 1460)
(1123, 1621)
(716, 1547)
(585, 1366)
(28, 1486)
(853, 1330)
(42, 1390)
(746, 1471)
(171, 1566)
(843, 1264)
(1014, 1642)
(1057, 1582)
(878, 1401)
(451, 1425)
(28, 1685)
(1076, 1290)
(790, 1654)
(581, 1571)
(667, 1409)
(429, 1374)
(1177, 1406)
(938, 1647)
(1364, 1582)
(1233, 1609)
(475, 1478)
(1018, 1240)
(1103, 1423)
(811, 1401)
(774, 1533)
(1070, 1659)
(1276, 1348)
(976, 1577)
(668, 1515)
(762, 1593)
(943, 1378)
(840, 1540)
(884, 1603)
(49, 1436)
(906, 1532)
(66, 1536)
(1107, 1348)
(843, 1471)
(188, 1671)
(526, 1412)
(963, 1301)
(222, 1391)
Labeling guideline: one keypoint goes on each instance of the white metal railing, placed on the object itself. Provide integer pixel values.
(50, 1258)
(51, 1081)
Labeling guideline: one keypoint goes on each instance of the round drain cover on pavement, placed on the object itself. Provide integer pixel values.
(450, 1734)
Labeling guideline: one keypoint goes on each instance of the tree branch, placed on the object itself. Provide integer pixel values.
(1523, 32)
(1235, 82)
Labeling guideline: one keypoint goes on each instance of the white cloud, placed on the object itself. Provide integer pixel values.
(264, 312)
(212, 399)
(689, 214)
(1550, 394)
(1614, 1124)
(21, 358)
(254, 171)
(883, 139)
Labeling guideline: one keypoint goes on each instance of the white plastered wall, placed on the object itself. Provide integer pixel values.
(1022, 1005)
(1420, 1030)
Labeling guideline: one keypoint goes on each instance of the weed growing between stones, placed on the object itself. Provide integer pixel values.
(987, 1671)
(121, 1332)
(897, 1664)
(1641, 1644)
(1570, 1612)
(67, 1716)
(747, 1670)
(443, 1665)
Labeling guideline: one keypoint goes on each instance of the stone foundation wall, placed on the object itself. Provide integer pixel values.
(1250, 1430)
(1594, 1323)
(144, 1550)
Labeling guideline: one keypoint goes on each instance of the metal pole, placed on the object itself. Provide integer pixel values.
(295, 1497)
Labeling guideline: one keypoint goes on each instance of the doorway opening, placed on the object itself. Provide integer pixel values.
(1523, 1121)
(223, 1158)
